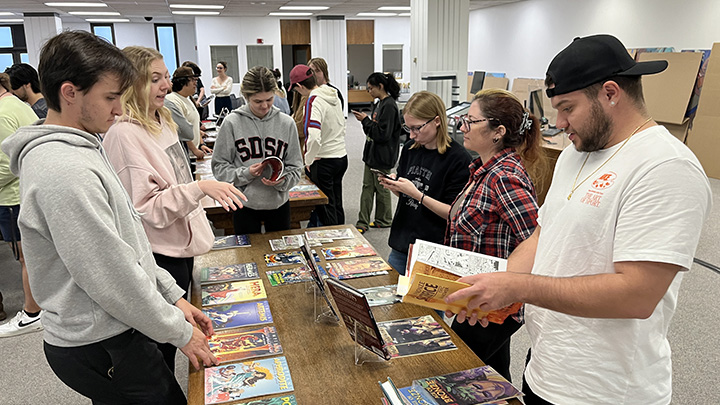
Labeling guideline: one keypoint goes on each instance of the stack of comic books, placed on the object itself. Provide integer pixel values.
(231, 241)
(236, 381)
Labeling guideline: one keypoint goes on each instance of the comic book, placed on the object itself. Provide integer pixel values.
(233, 272)
(241, 345)
(362, 267)
(237, 291)
(412, 336)
(348, 251)
(288, 276)
(297, 240)
(481, 385)
(279, 244)
(285, 258)
(332, 234)
(285, 400)
(239, 315)
(231, 241)
(382, 295)
(273, 168)
(235, 381)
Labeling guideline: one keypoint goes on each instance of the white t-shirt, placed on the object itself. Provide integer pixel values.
(648, 203)
(190, 112)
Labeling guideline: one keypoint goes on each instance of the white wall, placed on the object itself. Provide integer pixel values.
(393, 30)
(521, 38)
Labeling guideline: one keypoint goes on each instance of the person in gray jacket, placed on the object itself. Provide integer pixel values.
(247, 137)
(90, 264)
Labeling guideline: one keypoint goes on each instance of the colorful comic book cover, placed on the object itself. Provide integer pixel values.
(285, 258)
(412, 336)
(237, 291)
(231, 241)
(413, 396)
(481, 385)
(235, 381)
(233, 272)
(348, 251)
(239, 315)
(354, 268)
(288, 276)
(285, 400)
(382, 295)
(242, 345)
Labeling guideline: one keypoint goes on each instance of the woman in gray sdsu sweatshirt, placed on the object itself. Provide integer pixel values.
(249, 135)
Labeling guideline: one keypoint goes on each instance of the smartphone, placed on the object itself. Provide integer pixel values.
(380, 173)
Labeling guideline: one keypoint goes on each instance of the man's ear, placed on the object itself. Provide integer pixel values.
(610, 92)
(68, 93)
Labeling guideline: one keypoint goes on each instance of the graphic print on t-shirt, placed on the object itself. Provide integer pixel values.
(179, 163)
(255, 147)
(420, 177)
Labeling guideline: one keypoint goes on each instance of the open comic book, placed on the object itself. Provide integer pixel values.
(273, 168)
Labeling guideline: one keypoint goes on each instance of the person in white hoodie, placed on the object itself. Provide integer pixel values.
(248, 136)
(325, 155)
(144, 149)
(90, 264)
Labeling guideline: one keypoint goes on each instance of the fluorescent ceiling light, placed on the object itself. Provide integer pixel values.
(394, 8)
(201, 6)
(107, 20)
(66, 4)
(376, 14)
(6, 13)
(404, 15)
(290, 14)
(304, 8)
(94, 13)
(196, 12)
(12, 20)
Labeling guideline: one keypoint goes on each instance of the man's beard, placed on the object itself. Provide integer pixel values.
(596, 133)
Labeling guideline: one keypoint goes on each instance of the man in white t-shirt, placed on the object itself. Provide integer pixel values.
(620, 223)
(183, 111)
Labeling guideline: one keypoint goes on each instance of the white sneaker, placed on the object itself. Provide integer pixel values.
(21, 324)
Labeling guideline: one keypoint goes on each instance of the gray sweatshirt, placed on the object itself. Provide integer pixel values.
(244, 140)
(89, 262)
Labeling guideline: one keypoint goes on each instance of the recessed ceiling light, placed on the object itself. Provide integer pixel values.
(304, 8)
(107, 20)
(280, 14)
(376, 14)
(404, 15)
(205, 6)
(394, 8)
(11, 20)
(67, 4)
(94, 13)
(198, 12)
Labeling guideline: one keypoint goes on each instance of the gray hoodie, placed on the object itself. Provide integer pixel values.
(244, 140)
(89, 262)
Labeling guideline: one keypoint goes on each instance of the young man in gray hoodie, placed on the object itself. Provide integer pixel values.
(89, 262)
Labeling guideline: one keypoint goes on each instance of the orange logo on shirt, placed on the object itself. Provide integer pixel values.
(604, 181)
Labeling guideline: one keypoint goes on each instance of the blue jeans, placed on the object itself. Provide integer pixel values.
(398, 260)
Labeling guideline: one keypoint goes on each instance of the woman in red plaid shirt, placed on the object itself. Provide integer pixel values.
(497, 209)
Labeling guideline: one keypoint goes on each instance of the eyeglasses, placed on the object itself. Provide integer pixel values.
(465, 121)
(417, 129)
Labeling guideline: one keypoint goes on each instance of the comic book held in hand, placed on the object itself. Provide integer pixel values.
(239, 315)
(237, 291)
(231, 241)
(348, 251)
(242, 345)
(382, 295)
(412, 336)
(288, 276)
(285, 258)
(233, 272)
(481, 385)
(362, 267)
(273, 168)
(235, 381)
(286, 400)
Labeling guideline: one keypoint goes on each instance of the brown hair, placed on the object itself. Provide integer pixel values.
(522, 129)
(425, 106)
(322, 66)
(257, 80)
(5, 81)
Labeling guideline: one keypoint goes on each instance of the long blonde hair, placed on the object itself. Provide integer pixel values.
(136, 99)
(425, 106)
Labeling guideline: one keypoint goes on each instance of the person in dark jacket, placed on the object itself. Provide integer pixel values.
(383, 129)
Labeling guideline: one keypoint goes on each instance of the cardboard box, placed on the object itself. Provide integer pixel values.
(667, 94)
(492, 82)
(704, 137)
(522, 87)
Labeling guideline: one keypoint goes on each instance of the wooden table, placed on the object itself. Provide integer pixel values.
(552, 151)
(321, 356)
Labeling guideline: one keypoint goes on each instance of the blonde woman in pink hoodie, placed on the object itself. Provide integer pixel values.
(144, 149)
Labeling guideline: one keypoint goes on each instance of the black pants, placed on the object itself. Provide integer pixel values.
(327, 174)
(247, 220)
(222, 102)
(531, 398)
(181, 270)
(124, 369)
(491, 344)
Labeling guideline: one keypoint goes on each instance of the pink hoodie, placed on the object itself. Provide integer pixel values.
(155, 171)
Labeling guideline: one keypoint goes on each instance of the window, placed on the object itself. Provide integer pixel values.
(104, 31)
(260, 55)
(166, 43)
(392, 59)
(12, 45)
(229, 55)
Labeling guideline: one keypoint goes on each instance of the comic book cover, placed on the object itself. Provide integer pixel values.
(413, 396)
(237, 291)
(412, 336)
(296, 240)
(239, 315)
(285, 400)
(348, 251)
(288, 276)
(279, 244)
(354, 268)
(235, 381)
(382, 295)
(333, 234)
(231, 241)
(481, 385)
(241, 345)
(233, 272)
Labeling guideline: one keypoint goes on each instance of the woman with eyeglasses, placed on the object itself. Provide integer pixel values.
(497, 208)
(432, 170)
(221, 87)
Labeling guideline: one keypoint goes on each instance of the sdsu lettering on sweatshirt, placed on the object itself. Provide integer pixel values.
(244, 140)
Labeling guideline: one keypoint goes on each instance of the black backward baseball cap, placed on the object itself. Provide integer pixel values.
(592, 59)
